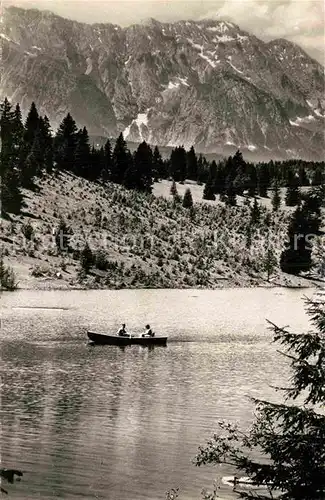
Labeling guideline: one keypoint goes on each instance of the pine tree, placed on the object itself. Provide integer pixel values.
(34, 162)
(158, 166)
(230, 193)
(255, 213)
(188, 200)
(173, 189)
(293, 196)
(62, 237)
(86, 259)
(18, 127)
(11, 197)
(178, 164)
(65, 144)
(31, 125)
(252, 180)
(297, 256)
(121, 160)
(269, 262)
(47, 142)
(289, 435)
(95, 164)
(139, 174)
(82, 164)
(191, 164)
(263, 180)
(318, 176)
(208, 192)
(276, 197)
(107, 161)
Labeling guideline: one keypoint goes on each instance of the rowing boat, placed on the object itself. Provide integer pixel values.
(103, 339)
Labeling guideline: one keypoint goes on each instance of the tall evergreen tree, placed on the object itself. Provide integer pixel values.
(139, 174)
(11, 197)
(65, 144)
(191, 164)
(121, 160)
(297, 256)
(188, 200)
(293, 196)
(255, 213)
(107, 161)
(31, 125)
(284, 450)
(46, 139)
(158, 166)
(263, 180)
(276, 196)
(82, 164)
(208, 191)
(178, 164)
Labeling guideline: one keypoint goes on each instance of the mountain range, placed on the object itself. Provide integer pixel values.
(207, 83)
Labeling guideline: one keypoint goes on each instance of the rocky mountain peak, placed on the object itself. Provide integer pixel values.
(206, 83)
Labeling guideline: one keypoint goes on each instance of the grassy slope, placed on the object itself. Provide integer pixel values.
(148, 240)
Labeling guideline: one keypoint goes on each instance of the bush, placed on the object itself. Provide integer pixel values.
(28, 231)
(7, 277)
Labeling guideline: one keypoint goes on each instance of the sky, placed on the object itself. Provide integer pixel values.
(301, 21)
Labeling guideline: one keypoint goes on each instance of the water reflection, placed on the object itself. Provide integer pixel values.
(125, 422)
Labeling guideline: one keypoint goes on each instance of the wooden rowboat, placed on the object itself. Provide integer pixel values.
(100, 338)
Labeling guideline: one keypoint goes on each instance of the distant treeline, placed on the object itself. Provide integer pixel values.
(29, 149)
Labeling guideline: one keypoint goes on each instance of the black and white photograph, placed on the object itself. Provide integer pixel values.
(162, 249)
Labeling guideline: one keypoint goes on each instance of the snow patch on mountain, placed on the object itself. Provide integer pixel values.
(5, 37)
(140, 121)
(89, 66)
(223, 38)
(299, 121)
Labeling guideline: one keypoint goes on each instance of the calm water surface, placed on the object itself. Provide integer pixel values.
(105, 423)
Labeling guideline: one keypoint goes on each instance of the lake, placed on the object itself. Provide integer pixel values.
(106, 423)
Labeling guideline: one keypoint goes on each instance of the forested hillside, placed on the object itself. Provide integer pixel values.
(88, 217)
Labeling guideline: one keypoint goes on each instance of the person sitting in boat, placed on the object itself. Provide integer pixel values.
(122, 331)
(148, 332)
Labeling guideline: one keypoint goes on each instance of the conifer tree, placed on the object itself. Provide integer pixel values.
(62, 236)
(107, 161)
(178, 164)
(293, 196)
(18, 127)
(188, 200)
(139, 174)
(31, 125)
(47, 142)
(65, 144)
(95, 164)
(82, 165)
(276, 197)
(86, 259)
(255, 213)
(34, 162)
(158, 166)
(229, 196)
(191, 164)
(11, 197)
(290, 435)
(318, 176)
(121, 160)
(297, 255)
(208, 192)
(173, 189)
(263, 180)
